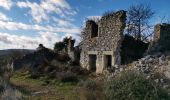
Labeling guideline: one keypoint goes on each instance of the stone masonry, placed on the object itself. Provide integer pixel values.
(102, 41)
(161, 40)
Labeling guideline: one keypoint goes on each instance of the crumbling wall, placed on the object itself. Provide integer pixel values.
(161, 40)
(108, 41)
(66, 47)
(73, 52)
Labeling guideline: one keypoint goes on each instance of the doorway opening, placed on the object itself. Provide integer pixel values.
(108, 61)
(92, 62)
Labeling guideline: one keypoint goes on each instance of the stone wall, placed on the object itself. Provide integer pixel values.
(161, 40)
(107, 42)
(73, 52)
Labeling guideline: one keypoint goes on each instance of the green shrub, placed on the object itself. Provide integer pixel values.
(88, 84)
(59, 46)
(67, 77)
(72, 79)
(132, 86)
(90, 90)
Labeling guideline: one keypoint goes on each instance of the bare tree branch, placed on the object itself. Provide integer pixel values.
(138, 20)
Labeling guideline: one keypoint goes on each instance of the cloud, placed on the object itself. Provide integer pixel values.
(42, 11)
(62, 22)
(7, 4)
(55, 13)
(3, 17)
(9, 41)
(21, 26)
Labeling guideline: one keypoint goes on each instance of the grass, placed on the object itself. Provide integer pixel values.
(91, 90)
(44, 88)
(127, 86)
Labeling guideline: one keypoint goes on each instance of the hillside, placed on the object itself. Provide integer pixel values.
(12, 51)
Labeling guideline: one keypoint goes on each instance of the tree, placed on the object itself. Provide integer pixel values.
(59, 46)
(138, 21)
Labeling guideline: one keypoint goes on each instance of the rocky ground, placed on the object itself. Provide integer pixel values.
(155, 67)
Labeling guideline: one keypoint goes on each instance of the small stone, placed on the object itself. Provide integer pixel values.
(163, 57)
(150, 60)
(147, 77)
(156, 66)
(116, 66)
(147, 57)
(165, 86)
(121, 69)
(157, 80)
(167, 74)
(162, 80)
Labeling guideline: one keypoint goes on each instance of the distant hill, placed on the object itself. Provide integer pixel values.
(8, 54)
(13, 51)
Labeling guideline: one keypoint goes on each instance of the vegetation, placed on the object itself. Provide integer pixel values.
(128, 86)
(91, 90)
(138, 21)
(132, 86)
(43, 88)
(59, 46)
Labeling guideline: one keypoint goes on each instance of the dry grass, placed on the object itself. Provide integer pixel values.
(44, 88)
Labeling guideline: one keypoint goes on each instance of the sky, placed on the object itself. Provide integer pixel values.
(26, 23)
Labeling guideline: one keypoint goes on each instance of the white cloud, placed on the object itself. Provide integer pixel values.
(8, 41)
(3, 17)
(48, 39)
(21, 26)
(46, 34)
(41, 12)
(62, 23)
(7, 4)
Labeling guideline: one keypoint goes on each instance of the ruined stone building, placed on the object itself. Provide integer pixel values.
(104, 45)
(66, 47)
(161, 39)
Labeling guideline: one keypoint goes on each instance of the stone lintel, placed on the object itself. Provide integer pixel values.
(107, 52)
(92, 52)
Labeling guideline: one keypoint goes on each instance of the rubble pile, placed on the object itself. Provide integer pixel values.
(156, 67)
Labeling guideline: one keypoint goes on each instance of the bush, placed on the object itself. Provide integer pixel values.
(132, 86)
(72, 79)
(90, 90)
(67, 77)
(59, 46)
(88, 84)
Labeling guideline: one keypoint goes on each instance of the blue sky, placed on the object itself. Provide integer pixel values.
(26, 23)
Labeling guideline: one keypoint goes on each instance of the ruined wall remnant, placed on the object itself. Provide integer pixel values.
(161, 40)
(106, 43)
(73, 52)
(162, 32)
(66, 47)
